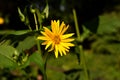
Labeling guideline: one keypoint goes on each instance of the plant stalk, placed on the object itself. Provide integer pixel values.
(39, 47)
(83, 60)
(36, 24)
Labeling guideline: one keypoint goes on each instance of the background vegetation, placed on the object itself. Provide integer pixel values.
(99, 24)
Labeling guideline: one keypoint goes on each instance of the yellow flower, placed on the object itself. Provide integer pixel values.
(1, 20)
(56, 38)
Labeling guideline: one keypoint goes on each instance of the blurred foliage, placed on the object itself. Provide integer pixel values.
(109, 22)
(99, 23)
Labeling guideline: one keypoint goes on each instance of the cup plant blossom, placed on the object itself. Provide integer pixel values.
(55, 38)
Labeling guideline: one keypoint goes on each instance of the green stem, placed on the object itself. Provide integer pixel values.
(39, 47)
(76, 24)
(83, 60)
(29, 28)
(36, 25)
(35, 18)
(40, 25)
(38, 43)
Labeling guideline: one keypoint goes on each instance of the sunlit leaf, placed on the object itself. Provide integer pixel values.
(17, 36)
(27, 43)
(40, 16)
(37, 59)
(46, 11)
(108, 23)
(86, 33)
(6, 56)
(20, 32)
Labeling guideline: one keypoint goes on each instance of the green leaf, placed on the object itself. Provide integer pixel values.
(46, 11)
(6, 56)
(17, 36)
(108, 23)
(37, 58)
(40, 16)
(20, 32)
(27, 43)
(86, 33)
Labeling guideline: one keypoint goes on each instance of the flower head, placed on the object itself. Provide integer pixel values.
(1, 20)
(56, 39)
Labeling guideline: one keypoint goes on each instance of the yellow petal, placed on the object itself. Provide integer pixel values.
(60, 49)
(64, 45)
(57, 26)
(61, 27)
(52, 25)
(44, 43)
(42, 38)
(43, 33)
(48, 31)
(52, 48)
(68, 44)
(67, 36)
(68, 40)
(64, 52)
(56, 51)
(49, 43)
(64, 30)
(63, 49)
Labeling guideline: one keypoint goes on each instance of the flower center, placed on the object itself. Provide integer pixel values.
(57, 39)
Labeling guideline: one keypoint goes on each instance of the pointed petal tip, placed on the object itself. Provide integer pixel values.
(56, 55)
(58, 21)
(39, 37)
(56, 52)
